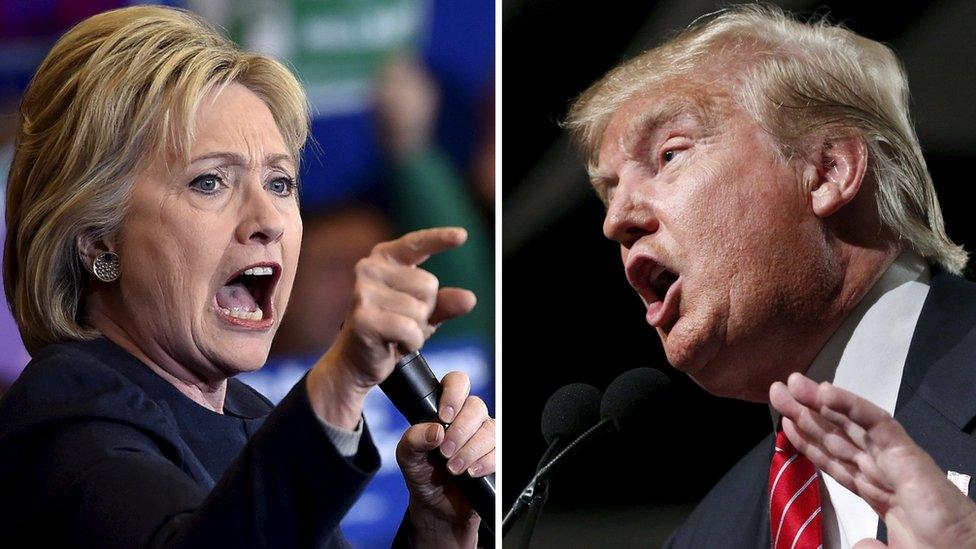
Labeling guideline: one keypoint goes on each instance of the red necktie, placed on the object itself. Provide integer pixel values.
(794, 499)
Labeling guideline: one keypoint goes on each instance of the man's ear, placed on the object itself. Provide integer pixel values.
(842, 164)
(90, 246)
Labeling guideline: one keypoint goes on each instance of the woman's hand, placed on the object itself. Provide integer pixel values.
(869, 453)
(395, 307)
(440, 515)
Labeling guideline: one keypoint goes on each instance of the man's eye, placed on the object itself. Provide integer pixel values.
(669, 155)
(207, 184)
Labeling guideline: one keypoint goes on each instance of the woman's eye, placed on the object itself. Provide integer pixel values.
(669, 155)
(207, 184)
(282, 186)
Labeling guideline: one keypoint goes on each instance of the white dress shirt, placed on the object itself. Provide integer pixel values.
(866, 356)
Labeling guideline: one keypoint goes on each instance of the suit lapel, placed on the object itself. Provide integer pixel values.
(937, 399)
(940, 364)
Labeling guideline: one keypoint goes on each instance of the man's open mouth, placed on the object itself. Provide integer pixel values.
(660, 283)
(649, 278)
(659, 287)
(246, 298)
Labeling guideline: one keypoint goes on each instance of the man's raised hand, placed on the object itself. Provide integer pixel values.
(868, 452)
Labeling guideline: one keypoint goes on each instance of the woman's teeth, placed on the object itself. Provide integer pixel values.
(240, 312)
(259, 271)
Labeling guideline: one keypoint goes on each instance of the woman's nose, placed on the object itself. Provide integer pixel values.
(260, 220)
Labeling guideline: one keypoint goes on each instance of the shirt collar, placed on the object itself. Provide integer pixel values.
(866, 355)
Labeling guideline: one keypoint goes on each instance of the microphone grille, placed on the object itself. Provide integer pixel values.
(571, 410)
(632, 396)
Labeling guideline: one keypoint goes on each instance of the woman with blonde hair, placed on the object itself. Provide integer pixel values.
(153, 236)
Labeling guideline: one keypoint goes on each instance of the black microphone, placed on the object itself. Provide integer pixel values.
(568, 412)
(415, 392)
(634, 396)
(629, 399)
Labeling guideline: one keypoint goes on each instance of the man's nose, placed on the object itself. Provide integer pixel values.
(261, 221)
(630, 215)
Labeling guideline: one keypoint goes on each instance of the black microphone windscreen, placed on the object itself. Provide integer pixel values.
(571, 410)
(633, 395)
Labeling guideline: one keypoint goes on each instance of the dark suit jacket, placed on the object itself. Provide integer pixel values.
(936, 405)
(97, 450)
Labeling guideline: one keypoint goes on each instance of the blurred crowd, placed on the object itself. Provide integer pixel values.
(402, 94)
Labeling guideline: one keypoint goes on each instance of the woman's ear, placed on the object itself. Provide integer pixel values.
(90, 246)
(842, 165)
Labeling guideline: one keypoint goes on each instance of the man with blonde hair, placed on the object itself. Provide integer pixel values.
(775, 215)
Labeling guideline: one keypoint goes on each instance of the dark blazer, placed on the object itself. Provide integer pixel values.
(936, 405)
(97, 450)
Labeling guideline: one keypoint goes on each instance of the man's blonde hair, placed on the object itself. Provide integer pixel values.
(116, 91)
(797, 80)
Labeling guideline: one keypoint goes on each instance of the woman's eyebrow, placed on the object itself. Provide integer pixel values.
(237, 159)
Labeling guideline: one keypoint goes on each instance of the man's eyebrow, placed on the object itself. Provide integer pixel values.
(600, 179)
(645, 123)
(237, 159)
(658, 115)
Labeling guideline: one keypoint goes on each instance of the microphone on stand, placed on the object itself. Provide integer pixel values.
(629, 398)
(568, 412)
(634, 396)
(415, 392)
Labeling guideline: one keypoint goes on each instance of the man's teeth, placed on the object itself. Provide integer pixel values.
(259, 271)
(240, 312)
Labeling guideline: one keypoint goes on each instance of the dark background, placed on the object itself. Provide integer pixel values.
(569, 314)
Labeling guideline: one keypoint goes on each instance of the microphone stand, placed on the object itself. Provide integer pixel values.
(538, 488)
(540, 495)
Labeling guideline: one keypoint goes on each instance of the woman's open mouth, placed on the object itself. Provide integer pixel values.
(246, 298)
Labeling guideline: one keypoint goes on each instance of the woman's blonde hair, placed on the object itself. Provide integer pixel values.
(116, 91)
(796, 79)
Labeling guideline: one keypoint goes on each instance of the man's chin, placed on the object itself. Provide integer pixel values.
(726, 380)
(687, 352)
(685, 360)
(708, 372)
(703, 361)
